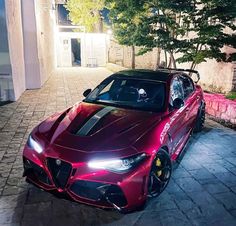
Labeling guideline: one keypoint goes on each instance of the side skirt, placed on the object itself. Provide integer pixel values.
(178, 154)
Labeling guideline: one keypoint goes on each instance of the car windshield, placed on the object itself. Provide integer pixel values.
(129, 93)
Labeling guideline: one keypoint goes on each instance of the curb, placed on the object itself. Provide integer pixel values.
(221, 109)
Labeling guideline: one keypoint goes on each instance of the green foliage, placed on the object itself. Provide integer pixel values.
(125, 17)
(196, 29)
(86, 13)
(150, 24)
(231, 96)
(211, 23)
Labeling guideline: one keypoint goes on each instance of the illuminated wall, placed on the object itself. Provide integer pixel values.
(27, 56)
(16, 48)
(38, 31)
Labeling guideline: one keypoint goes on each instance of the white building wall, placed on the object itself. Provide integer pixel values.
(30, 58)
(45, 24)
(93, 49)
(38, 29)
(16, 49)
(215, 76)
(64, 54)
(32, 69)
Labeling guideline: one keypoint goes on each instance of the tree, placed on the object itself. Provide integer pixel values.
(150, 24)
(86, 13)
(166, 27)
(213, 23)
(193, 29)
(125, 17)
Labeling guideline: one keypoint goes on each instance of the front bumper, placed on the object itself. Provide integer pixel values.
(99, 188)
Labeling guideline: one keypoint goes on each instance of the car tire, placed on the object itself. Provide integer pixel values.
(200, 118)
(160, 173)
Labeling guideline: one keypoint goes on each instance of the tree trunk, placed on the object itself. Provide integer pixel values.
(193, 65)
(198, 48)
(99, 24)
(133, 57)
(158, 61)
(165, 58)
(173, 61)
(169, 64)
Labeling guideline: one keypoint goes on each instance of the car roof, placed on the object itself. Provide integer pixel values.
(162, 75)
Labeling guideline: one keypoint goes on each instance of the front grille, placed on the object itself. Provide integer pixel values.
(60, 172)
(90, 190)
(35, 172)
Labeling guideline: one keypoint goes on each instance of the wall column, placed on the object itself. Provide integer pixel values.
(32, 66)
(16, 49)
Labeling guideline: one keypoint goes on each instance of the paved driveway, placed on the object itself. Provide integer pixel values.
(202, 190)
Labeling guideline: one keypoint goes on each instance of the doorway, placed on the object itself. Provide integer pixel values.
(81, 49)
(76, 52)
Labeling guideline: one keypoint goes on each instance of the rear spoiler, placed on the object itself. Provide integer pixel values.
(187, 70)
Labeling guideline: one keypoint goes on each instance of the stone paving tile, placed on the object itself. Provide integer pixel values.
(209, 213)
(8, 216)
(232, 160)
(202, 190)
(165, 202)
(233, 170)
(190, 164)
(170, 217)
(215, 168)
(173, 187)
(233, 213)
(185, 204)
(201, 174)
(228, 178)
(228, 199)
(189, 184)
(40, 211)
(227, 165)
(202, 198)
(211, 222)
(233, 189)
(181, 172)
(217, 187)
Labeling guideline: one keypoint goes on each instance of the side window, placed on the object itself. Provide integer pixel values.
(107, 88)
(176, 90)
(187, 84)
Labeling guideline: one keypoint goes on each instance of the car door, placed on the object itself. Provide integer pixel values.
(177, 129)
(191, 101)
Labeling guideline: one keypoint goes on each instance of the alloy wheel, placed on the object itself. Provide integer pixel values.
(160, 174)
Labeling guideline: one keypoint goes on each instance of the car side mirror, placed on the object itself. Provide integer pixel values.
(87, 92)
(178, 103)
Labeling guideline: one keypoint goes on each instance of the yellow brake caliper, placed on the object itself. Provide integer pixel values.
(158, 164)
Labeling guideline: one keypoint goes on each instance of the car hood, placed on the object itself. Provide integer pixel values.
(98, 128)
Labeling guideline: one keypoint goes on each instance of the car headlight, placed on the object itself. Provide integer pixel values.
(117, 165)
(34, 145)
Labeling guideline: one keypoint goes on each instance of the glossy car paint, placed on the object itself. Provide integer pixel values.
(122, 133)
